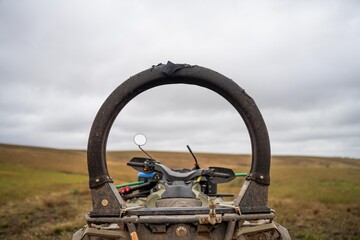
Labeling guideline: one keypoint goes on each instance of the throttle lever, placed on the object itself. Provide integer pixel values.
(136, 164)
(220, 175)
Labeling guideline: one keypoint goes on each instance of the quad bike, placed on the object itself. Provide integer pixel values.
(178, 204)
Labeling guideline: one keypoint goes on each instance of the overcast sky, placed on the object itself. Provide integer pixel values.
(299, 60)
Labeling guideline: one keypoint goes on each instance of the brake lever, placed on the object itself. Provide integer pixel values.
(211, 173)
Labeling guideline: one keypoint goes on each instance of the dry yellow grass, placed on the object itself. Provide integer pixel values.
(44, 191)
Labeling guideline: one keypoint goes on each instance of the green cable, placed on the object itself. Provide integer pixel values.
(129, 184)
(240, 174)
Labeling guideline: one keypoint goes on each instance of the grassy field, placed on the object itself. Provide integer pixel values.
(44, 194)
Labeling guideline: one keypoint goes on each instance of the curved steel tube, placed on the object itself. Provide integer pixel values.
(177, 74)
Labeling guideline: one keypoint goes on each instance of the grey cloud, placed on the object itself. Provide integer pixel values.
(174, 116)
(299, 60)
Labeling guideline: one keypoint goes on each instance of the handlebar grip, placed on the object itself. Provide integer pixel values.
(221, 175)
(136, 164)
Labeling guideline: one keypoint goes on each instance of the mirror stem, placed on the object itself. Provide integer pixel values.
(196, 162)
(145, 152)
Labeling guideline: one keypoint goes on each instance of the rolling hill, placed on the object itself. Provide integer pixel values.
(44, 194)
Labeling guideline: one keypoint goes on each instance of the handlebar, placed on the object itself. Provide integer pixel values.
(171, 175)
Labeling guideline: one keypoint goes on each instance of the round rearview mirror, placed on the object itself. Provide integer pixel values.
(140, 139)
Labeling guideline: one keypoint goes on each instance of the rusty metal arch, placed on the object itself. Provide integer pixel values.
(253, 195)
